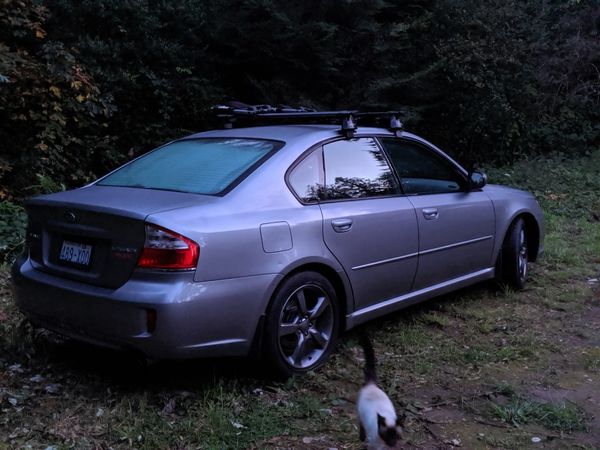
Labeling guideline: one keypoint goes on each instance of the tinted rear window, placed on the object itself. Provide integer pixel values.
(200, 166)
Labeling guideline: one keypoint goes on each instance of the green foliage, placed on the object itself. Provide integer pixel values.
(591, 359)
(12, 230)
(557, 416)
(563, 185)
(86, 85)
(52, 112)
(520, 78)
(153, 58)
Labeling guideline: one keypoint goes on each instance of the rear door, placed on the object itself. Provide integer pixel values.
(456, 226)
(368, 225)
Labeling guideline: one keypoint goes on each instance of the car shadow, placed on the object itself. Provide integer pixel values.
(130, 371)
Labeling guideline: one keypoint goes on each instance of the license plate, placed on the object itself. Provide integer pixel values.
(75, 253)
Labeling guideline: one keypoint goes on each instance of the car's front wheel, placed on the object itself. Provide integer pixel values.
(302, 324)
(515, 255)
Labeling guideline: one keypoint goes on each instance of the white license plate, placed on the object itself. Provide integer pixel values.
(75, 253)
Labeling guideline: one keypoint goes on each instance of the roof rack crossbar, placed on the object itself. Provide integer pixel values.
(348, 118)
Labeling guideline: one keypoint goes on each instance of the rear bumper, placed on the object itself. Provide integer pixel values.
(193, 319)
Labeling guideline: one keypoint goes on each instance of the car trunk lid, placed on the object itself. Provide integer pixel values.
(95, 234)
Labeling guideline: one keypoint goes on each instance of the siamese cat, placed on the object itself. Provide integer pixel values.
(378, 423)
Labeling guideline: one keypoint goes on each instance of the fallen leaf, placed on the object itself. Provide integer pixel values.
(55, 91)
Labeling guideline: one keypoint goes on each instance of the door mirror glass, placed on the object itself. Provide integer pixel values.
(477, 179)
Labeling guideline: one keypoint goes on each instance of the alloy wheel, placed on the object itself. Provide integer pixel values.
(522, 255)
(306, 326)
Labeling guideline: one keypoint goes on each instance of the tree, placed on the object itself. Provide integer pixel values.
(51, 110)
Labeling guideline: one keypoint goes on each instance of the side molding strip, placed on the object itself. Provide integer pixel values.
(424, 252)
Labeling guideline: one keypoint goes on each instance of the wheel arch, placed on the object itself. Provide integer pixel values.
(338, 280)
(532, 229)
(334, 277)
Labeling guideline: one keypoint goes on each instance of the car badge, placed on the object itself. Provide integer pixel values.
(71, 217)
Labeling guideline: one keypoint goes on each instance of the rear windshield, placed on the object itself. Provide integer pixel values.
(200, 166)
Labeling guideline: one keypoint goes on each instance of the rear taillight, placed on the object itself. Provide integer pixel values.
(165, 249)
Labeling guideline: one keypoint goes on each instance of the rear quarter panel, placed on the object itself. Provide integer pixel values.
(229, 229)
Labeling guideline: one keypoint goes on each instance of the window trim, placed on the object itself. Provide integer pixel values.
(375, 137)
(398, 189)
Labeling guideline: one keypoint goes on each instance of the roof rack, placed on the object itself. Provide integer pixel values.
(267, 114)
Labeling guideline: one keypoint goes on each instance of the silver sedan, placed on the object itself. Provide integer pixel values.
(271, 239)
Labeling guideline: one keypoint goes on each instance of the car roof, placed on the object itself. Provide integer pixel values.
(290, 132)
(306, 135)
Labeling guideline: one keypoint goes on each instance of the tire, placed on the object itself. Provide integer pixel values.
(302, 324)
(515, 256)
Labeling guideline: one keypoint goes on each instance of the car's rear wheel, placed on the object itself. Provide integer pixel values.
(515, 255)
(301, 325)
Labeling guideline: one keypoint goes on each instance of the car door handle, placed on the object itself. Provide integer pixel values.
(341, 225)
(430, 213)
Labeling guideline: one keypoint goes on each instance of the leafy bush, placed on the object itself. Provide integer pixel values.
(86, 85)
(521, 78)
(52, 112)
(12, 230)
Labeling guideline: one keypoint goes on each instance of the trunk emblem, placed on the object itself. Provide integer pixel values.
(71, 217)
(124, 253)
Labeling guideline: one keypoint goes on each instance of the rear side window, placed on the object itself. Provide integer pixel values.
(306, 179)
(421, 171)
(356, 168)
(200, 166)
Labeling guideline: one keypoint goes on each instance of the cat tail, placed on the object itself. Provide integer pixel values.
(365, 343)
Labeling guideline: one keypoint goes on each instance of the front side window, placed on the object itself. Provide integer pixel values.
(356, 168)
(200, 166)
(421, 171)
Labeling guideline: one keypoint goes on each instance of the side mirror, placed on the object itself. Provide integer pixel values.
(477, 179)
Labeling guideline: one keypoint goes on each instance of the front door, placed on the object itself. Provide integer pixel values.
(456, 235)
(456, 226)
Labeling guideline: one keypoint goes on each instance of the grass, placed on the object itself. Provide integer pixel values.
(563, 417)
(591, 359)
(484, 365)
